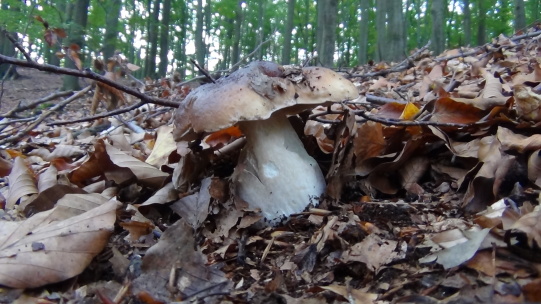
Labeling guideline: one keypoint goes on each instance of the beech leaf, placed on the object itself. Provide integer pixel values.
(40, 250)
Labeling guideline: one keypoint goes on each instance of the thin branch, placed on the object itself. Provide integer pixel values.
(43, 116)
(382, 100)
(203, 71)
(90, 75)
(389, 122)
(404, 65)
(407, 123)
(103, 115)
(17, 45)
(11, 113)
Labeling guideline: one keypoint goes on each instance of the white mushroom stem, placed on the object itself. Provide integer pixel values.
(275, 173)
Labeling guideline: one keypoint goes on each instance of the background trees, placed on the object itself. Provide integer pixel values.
(161, 35)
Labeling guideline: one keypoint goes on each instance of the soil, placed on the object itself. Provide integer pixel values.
(30, 86)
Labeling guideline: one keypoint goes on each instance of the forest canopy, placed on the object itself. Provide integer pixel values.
(162, 35)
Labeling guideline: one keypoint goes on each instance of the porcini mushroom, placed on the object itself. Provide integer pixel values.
(274, 172)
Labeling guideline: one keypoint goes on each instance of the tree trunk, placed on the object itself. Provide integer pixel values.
(437, 10)
(467, 22)
(381, 29)
(327, 11)
(286, 50)
(8, 49)
(164, 38)
(150, 66)
(199, 41)
(235, 53)
(363, 38)
(482, 20)
(77, 19)
(112, 16)
(520, 15)
(261, 35)
(396, 40)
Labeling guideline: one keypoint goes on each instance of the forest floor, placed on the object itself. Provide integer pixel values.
(433, 200)
(31, 85)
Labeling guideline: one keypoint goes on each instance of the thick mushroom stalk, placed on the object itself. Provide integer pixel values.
(275, 173)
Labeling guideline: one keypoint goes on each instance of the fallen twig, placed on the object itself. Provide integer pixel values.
(19, 108)
(43, 116)
(90, 75)
(404, 65)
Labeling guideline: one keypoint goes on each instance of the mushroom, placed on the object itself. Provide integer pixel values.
(274, 172)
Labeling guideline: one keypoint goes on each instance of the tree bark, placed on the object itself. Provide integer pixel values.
(78, 16)
(200, 49)
(467, 22)
(520, 15)
(481, 25)
(235, 53)
(327, 11)
(381, 29)
(164, 38)
(286, 50)
(396, 40)
(150, 66)
(363, 37)
(112, 16)
(437, 10)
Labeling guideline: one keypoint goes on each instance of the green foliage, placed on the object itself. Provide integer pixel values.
(261, 20)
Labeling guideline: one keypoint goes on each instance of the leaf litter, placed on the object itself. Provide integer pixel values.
(442, 210)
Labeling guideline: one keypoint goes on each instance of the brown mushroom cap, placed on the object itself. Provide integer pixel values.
(254, 93)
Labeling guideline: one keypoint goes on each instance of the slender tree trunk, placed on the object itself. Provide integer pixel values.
(437, 11)
(396, 38)
(150, 66)
(77, 19)
(164, 38)
(199, 40)
(481, 23)
(467, 22)
(235, 53)
(363, 38)
(381, 29)
(286, 50)
(520, 15)
(208, 26)
(261, 29)
(112, 16)
(327, 11)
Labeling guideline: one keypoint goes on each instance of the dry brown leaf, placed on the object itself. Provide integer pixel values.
(175, 251)
(375, 252)
(47, 178)
(164, 195)
(518, 142)
(5, 167)
(353, 296)
(412, 171)
(368, 141)
(194, 208)
(164, 146)
(534, 167)
(530, 224)
(528, 103)
(65, 151)
(461, 252)
(447, 110)
(21, 182)
(137, 229)
(43, 249)
(144, 172)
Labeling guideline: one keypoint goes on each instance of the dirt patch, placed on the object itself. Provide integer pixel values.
(32, 85)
